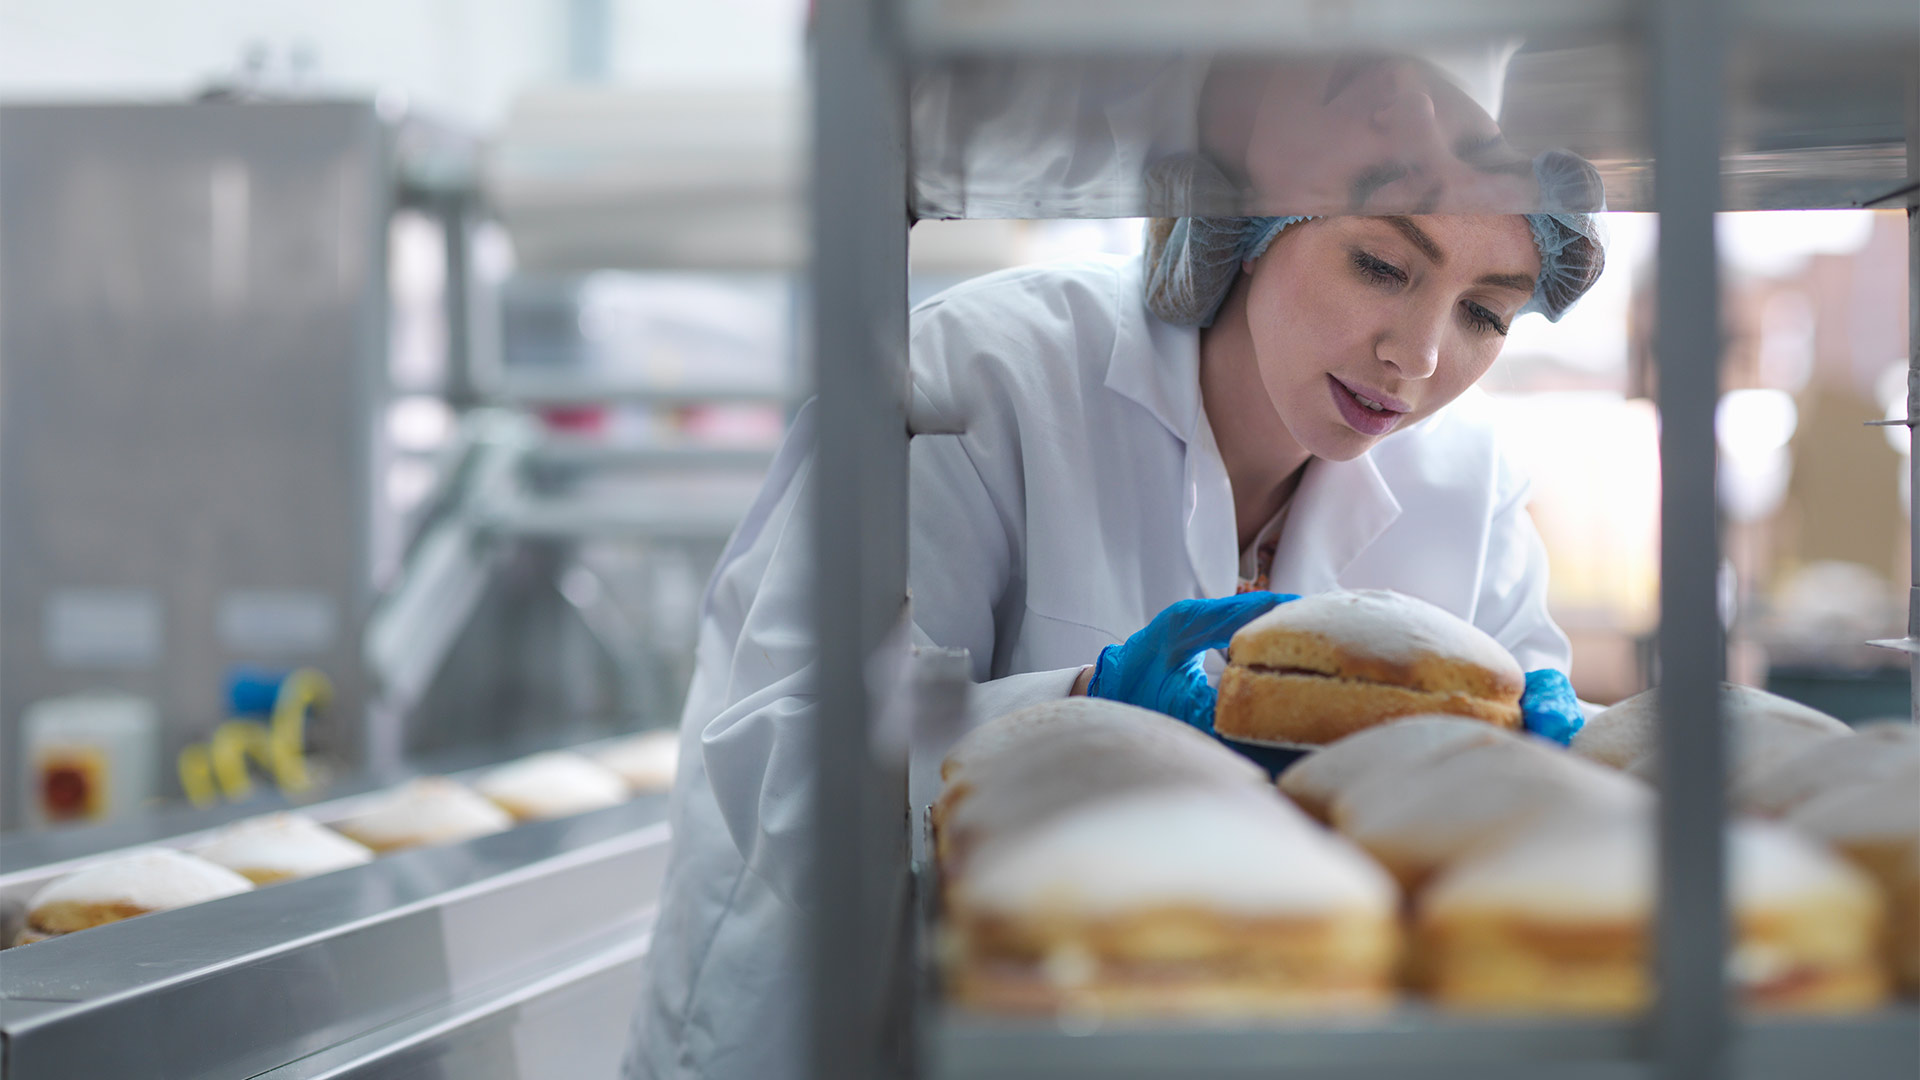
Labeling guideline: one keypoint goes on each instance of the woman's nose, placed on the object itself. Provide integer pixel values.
(1407, 118)
(1412, 346)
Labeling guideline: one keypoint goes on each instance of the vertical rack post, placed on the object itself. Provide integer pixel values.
(858, 286)
(1913, 397)
(1690, 1023)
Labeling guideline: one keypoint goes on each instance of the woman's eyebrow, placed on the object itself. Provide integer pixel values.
(1418, 237)
(1492, 154)
(1373, 180)
(1517, 282)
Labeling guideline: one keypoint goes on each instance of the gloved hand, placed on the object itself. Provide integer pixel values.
(1159, 668)
(1549, 708)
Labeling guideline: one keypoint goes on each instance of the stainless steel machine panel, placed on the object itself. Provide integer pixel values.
(194, 338)
(568, 1022)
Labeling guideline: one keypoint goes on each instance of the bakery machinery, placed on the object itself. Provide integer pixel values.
(262, 419)
(938, 109)
(203, 305)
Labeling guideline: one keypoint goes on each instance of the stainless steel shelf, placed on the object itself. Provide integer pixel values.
(1062, 108)
(1080, 27)
(1411, 1041)
(1049, 110)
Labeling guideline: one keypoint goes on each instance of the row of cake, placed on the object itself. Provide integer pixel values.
(279, 847)
(1099, 857)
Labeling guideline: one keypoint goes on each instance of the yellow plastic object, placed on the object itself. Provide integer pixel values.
(286, 747)
(219, 766)
(196, 775)
(233, 743)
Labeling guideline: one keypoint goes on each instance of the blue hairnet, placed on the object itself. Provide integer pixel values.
(1192, 261)
(1565, 231)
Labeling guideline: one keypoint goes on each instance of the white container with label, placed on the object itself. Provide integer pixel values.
(89, 757)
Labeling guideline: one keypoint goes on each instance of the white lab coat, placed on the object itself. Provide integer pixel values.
(1082, 493)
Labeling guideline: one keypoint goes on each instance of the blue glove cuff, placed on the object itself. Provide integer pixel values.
(1096, 686)
(1203, 718)
(1550, 708)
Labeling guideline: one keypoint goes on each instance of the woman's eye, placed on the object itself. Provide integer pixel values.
(1481, 319)
(1378, 270)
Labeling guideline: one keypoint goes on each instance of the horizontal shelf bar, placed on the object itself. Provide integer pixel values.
(1410, 1041)
(1905, 645)
(520, 388)
(1150, 26)
(586, 453)
(580, 519)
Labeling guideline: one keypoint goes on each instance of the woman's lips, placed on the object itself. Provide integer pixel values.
(1369, 422)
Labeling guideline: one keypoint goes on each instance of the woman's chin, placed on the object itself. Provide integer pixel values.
(1341, 443)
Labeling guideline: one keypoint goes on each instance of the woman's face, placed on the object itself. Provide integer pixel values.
(1362, 326)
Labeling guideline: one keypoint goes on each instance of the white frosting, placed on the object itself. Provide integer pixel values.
(1007, 736)
(1390, 626)
(430, 810)
(1763, 726)
(1037, 763)
(1883, 810)
(1476, 797)
(153, 879)
(1862, 758)
(1590, 867)
(646, 762)
(289, 845)
(1389, 748)
(558, 783)
(1241, 852)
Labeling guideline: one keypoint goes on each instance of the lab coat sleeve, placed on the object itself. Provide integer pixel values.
(1513, 600)
(758, 748)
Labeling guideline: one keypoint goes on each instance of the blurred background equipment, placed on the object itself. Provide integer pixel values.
(194, 454)
(279, 398)
(89, 757)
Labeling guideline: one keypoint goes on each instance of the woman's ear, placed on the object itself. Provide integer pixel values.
(1247, 265)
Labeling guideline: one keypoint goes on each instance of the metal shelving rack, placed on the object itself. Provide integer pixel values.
(1801, 94)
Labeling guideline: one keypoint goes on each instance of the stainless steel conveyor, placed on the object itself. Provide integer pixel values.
(509, 956)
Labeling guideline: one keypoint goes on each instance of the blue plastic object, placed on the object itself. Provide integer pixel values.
(1160, 667)
(1549, 708)
(252, 691)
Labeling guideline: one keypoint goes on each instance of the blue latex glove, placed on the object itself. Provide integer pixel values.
(1549, 708)
(1159, 668)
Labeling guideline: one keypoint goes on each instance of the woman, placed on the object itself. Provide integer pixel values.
(1254, 403)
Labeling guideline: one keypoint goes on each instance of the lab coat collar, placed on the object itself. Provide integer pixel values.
(1154, 363)
(1340, 509)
